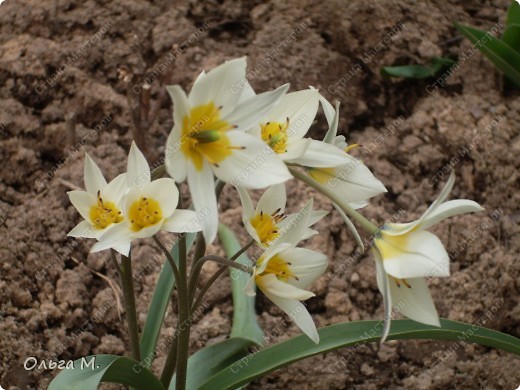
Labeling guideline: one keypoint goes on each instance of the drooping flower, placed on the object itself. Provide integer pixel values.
(149, 206)
(100, 204)
(208, 137)
(284, 273)
(268, 224)
(406, 254)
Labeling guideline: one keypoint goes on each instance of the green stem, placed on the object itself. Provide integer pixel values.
(336, 198)
(129, 297)
(216, 275)
(183, 326)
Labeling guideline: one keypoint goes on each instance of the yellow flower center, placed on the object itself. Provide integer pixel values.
(278, 267)
(266, 226)
(104, 213)
(144, 212)
(275, 135)
(204, 136)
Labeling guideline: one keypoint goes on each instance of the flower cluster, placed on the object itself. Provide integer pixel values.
(225, 132)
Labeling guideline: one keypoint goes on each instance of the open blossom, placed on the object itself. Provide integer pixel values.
(209, 138)
(406, 253)
(147, 207)
(100, 204)
(284, 273)
(268, 224)
(286, 125)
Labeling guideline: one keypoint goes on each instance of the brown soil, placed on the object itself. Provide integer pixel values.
(51, 307)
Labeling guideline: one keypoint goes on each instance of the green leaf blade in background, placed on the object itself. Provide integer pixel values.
(503, 56)
(107, 368)
(245, 324)
(437, 64)
(208, 361)
(511, 35)
(159, 304)
(348, 334)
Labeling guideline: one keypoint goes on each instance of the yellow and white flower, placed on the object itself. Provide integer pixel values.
(209, 138)
(284, 273)
(406, 254)
(286, 125)
(100, 204)
(148, 206)
(268, 224)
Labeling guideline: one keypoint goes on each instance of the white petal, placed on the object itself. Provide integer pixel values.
(138, 170)
(354, 181)
(82, 201)
(247, 92)
(149, 231)
(123, 248)
(269, 283)
(449, 209)
(116, 189)
(383, 283)
(294, 228)
(84, 229)
(295, 149)
(94, 180)
(421, 255)
(202, 190)
(269, 253)
(333, 121)
(175, 161)
(117, 236)
(298, 313)
(249, 288)
(307, 265)
(183, 221)
(165, 192)
(321, 155)
(248, 210)
(273, 199)
(252, 111)
(256, 166)
(221, 85)
(300, 107)
(415, 302)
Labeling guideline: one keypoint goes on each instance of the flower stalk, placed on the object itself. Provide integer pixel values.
(336, 198)
(127, 283)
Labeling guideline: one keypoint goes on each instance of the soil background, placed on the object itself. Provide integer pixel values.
(64, 93)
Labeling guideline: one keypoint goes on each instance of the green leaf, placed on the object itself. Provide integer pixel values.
(348, 334)
(90, 371)
(505, 58)
(244, 316)
(511, 35)
(159, 305)
(437, 64)
(206, 362)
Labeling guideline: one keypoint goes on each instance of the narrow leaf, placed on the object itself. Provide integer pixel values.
(348, 334)
(206, 362)
(511, 35)
(90, 371)
(244, 316)
(418, 71)
(159, 305)
(505, 58)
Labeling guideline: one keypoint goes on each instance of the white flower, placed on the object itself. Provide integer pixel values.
(284, 274)
(406, 253)
(286, 125)
(267, 224)
(149, 206)
(208, 137)
(100, 204)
